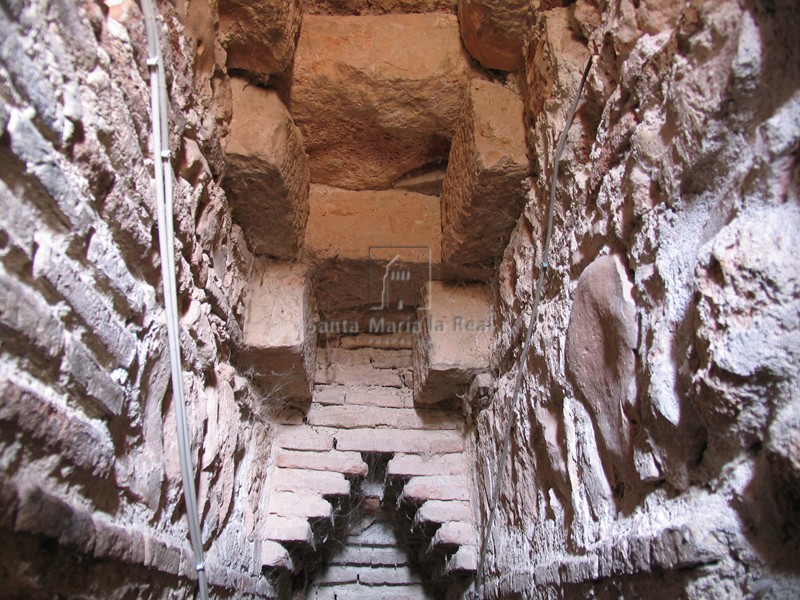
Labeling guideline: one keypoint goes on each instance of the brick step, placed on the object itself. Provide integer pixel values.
(305, 505)
(363, 592)
(435, 512)
(422, 488)
(463, 562)
(409, 465)
(324, 483)
(408, 441)
(369, 576)
(302, 437)
(357, 374)
(275, 557)
(288, 530)
(367, 556)
(346, 463)
(450, 536)
(419, 441)
(356, 394)
(377, 358)
(355, 417)
(392, 341)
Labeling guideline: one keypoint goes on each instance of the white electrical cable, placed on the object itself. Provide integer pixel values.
(163, 177)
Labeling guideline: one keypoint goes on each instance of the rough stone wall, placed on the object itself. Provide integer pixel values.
(655, 452)
(91, 501)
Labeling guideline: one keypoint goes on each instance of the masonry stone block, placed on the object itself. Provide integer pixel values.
(407, 465)
(442, 511)
(25, 314)
(452, 343)
(259, 37)
(485, 184)
(347, 463)
(75, 439)
(354, 235)
(267, 172)
(600, 342)
(325, 483)
(494, 31)
(369, 109)
(411, 441)
(422, 488)
(308, 505)
(100, 387)
(279, 336)
(65, 277)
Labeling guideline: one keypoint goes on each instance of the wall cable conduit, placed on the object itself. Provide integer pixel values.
(163, 180)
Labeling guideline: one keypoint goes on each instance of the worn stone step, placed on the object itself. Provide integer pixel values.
(295, 530)
(462, 562)
(379, 396)
(329, 394)
(377, 358)
(275, 557)
(363, 592)
(451, 535)
(355, 417)
(325, 483)
(308, 506)
(370, 556)
(395, 440)
(408, 465)
(302, 437)
(380, 576)
(441, 511)
(422, 488)
(388, 341)
(347, 463)
(361, 374)
(369, 576)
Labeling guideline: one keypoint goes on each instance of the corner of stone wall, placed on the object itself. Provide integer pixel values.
(667, 404)
(87, 420)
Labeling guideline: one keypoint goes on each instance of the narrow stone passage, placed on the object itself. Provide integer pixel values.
(370, 497)
(361, 191)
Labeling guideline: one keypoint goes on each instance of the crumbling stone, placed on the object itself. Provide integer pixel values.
(600, 343)
(453, 341)
(494, 31)
(267, 173)
(485, 183)
(370, 111)
(369, 7)
(279, 337)
(259, 37)
(379, 225)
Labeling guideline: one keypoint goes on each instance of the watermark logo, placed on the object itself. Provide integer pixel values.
(396, 275)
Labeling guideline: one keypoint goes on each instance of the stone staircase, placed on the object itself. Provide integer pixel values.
(369, 496)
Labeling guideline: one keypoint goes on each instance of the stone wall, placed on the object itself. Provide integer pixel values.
(655, 448)
(90, 491)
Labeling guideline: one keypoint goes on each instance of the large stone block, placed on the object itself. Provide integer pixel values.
(494, 31)
(485, 184)
(355, 234)
(600, 342)
(377, 96)
(259, 36)
(453, 340)
(279, 336)
(371, 7)
(267, 176)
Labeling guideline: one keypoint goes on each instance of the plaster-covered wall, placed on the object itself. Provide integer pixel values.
(655, 448)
